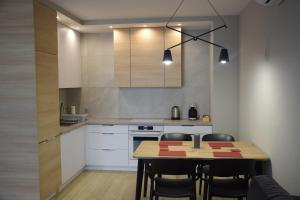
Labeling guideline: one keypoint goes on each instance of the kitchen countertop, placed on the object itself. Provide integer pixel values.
(129, 121)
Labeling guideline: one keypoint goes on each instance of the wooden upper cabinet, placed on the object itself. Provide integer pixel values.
(138, 54)
(47, 95)
(147, 46)
(173, 71)
(122, 57)
(45, 28)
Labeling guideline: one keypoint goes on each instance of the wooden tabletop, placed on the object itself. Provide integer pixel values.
(248, 150)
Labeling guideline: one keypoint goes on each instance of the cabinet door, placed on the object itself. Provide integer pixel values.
(47, 95)
(147, 46)
(50, 167)
(72, 153)
(69, 58)
(173, 71)
(122, 57)
(45, 28)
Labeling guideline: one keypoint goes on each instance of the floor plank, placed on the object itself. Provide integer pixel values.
(103, 185)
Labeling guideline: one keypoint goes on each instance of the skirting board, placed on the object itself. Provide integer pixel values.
(110, 168)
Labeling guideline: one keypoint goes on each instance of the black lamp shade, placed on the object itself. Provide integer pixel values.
(224, 58)
(167, 57)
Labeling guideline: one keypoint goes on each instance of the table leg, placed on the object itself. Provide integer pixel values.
(139, 179)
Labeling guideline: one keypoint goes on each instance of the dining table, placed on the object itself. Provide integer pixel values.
(150, 150)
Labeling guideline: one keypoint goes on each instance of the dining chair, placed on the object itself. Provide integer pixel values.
(204, 169)
(165, 137)
(228, 178)
(173, 188)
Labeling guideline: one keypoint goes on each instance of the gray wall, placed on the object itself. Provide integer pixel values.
(225, 80)
(104, 100)
(269, 86)
(19, 178)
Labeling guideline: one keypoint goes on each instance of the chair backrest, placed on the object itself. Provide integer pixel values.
(173, 167)
(231, 167)
(176, 137)
(217, 137)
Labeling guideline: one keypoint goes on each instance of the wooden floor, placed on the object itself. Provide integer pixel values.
(103, 185)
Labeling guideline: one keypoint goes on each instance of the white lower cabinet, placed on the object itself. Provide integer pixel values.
(72, 153)
(107, 146)
(107, 157)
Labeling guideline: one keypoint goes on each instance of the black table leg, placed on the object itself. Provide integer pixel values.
(139, 179)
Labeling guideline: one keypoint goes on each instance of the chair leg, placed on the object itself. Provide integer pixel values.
(156, 197)
(145, 183)
(205, 191)
(200, 184)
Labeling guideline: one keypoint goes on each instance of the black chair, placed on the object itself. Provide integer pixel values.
(165, 137)
(174, 188)
(204, 169)
(232, 178)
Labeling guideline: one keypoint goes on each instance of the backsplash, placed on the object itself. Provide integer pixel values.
(101, 99)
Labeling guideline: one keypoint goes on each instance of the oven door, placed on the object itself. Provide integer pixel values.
(136, 139)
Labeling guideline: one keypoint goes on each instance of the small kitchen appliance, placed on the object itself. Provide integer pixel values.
(193, 114)
(175, 113)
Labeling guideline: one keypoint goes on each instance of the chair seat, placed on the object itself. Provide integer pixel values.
(174, 187)
(230, 187)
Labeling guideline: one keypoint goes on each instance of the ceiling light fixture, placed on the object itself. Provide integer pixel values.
(57, 17)
(223, 58)
(110, 26)
(145, 25)
(178, 24)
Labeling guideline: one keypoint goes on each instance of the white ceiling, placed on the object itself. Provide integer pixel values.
(87, 10)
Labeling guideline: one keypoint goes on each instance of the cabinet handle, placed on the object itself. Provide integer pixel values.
(107, 124)
(107, 149)
(187, 125)
(107, 133)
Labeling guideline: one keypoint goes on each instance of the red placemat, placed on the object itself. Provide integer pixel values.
(220, 144)
(170, 143)
(172, 153)
(164, 148)
(228, 154)
(235, 150)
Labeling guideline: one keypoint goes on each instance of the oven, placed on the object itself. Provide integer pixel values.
(139, 133)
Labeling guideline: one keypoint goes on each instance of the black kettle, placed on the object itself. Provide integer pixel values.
(193, 113)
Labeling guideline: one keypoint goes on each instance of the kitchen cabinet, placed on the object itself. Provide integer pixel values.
(122, 57)
(69, 57)
(45, 26)
(147, 46)
(47, 95)
(49, 167)
(107, 146)
(72, 153)
(47, 100)
(173, 71)
(138, 56)
(202, 130)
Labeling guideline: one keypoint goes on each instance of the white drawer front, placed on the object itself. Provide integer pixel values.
(108, 128)
(107, 157)
(188, 129)
(106, 141)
